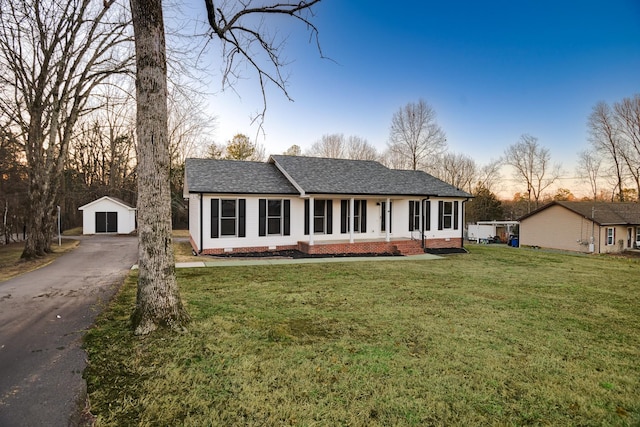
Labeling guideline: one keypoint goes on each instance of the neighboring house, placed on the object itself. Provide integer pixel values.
(319, 206)
(108, 215)
(598, 227)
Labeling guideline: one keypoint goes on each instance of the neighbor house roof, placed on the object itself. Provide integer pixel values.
(235, 177)
(317, 175)
(311, 175)
(602, 213)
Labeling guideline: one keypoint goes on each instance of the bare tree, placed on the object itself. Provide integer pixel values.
(239, 27)
(627, 117)
(532, 164)
(489, 174)
(294, 150)
(189, 127)
(13, 186)
(604, 137)
(53, 54)
(458, 170)
(336, 146)
(416, 135)
(394, 160)
(358, 148)
(330, 145)
(103, 147)
(588, 168)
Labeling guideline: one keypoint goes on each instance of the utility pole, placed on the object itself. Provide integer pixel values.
(592, 246)
(59, 237)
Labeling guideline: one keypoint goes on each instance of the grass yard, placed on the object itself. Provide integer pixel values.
(501, 336)
(11, 265)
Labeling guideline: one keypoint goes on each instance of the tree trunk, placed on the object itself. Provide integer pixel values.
(38, 242)
(158, 301)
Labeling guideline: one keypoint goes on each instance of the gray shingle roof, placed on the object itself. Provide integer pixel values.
(603, 213)
(316, 175)
(235, 177)
(311, 175)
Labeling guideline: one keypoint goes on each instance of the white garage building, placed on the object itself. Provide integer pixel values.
(108, 215)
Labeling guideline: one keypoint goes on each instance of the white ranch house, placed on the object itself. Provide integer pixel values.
(319, 206)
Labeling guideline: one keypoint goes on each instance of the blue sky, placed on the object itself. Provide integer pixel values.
(492, 71)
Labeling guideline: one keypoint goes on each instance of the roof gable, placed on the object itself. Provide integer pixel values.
(109, 198)
(602, 213)
(234, 177)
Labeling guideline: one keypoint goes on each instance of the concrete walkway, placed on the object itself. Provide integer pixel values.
(233, 262)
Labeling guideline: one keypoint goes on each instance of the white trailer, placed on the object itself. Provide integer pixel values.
(487, 231)
(480, 232)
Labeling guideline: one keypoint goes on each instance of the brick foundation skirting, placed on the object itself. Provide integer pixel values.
(443, 243)
(348, 248)
(375, 247)
(248, 250)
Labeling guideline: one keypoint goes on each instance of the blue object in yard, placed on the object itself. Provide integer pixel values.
(514, 242)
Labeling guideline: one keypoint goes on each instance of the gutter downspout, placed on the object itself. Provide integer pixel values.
(201, 225)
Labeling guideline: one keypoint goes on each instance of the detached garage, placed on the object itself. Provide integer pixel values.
(108, 215)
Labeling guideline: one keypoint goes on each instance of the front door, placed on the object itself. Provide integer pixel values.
(383, 216)
(106, 222)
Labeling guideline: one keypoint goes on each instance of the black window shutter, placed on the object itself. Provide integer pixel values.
(306, 216)
(344, 217)
(329, 216)
(286, 206)
(440, 214)
(242, 215)
(363, 215)
(455, 215)
(262, 217)
(215, 216)
(411, 214)
(427, 215)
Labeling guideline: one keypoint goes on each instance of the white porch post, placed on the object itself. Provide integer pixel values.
(351, 218)
(387, 220)
(311, 228)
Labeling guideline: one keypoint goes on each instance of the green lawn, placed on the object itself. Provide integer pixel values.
(11, 265)
(501, 336)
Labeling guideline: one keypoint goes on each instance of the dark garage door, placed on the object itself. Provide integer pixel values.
(106, 222)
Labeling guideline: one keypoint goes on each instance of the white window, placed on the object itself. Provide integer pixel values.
(414, 215)
(228, 217)
(274, 217)
(448, 215)
(611, 236)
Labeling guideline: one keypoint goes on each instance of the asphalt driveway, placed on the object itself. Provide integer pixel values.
(43, 316)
